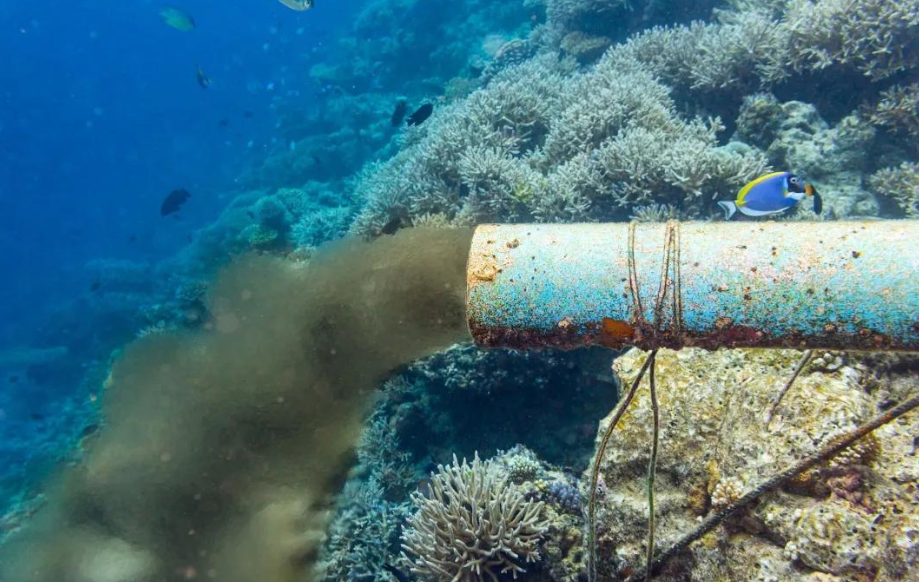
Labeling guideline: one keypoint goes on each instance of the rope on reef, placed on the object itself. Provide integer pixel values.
(833, 447)
(652, 469)
(669, 280)
(778, 400)
(595, 474)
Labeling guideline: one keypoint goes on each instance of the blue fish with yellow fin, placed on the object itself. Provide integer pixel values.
(771, 194)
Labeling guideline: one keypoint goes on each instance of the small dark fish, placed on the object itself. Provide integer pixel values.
(173, 202)
(37, 417)
(250, 214)
(392, 226)
(13, 379)
(316, 159)
(399, 574)
(95, 286)
(248, 114)
(424, 487)
(223, 122)
(399, 113)
(89, 430)
(818, 199)
(132, 239)
(421, 114)
(203, 80)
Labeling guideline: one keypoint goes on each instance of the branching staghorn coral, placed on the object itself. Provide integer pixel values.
(898, 110)
(760, 43)
(473, 527)
(619, 93)
(497, 183)
(364, 534)
(899, 184)
(542, 142)
(746, 51)
(545, 142)
(675, 163)
(877, 38)
(507, 119)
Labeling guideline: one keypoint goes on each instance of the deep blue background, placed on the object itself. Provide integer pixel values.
(101, 116)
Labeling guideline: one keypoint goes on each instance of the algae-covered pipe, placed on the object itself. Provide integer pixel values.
(843, 285)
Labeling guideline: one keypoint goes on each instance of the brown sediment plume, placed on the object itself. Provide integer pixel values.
(222, 448)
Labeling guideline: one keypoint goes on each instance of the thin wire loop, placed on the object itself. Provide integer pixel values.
(669, 280)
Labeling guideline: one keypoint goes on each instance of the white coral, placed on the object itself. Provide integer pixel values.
(727, 492)
(472, 527)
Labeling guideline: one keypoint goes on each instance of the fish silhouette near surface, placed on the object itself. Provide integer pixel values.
(421, 114)
(177, 19)
(174, 201)
(399, 112)
(203, 80)
(771, 194)
(298, 5)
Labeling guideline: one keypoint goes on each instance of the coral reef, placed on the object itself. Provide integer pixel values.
(794, 135)
(364, 535)
(472, 526)
(584, 47)
(898, 110)
(848, 520)
(532, 145)
(899, 184)
(619, 18)
(546, 141)
(545, 110)
(517, 394)
(422, 418)
(873, 37)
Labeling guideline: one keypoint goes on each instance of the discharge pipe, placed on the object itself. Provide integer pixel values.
(833, 285)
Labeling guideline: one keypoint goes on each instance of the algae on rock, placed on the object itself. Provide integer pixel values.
(854, 518)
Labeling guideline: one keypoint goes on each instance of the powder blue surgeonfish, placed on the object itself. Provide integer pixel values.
(771, 194)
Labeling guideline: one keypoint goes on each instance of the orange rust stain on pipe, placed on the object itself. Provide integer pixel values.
(615, 332)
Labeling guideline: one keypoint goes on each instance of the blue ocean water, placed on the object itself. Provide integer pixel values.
(102, 117)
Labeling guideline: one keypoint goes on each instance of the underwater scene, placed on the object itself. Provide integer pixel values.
(469, 291)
